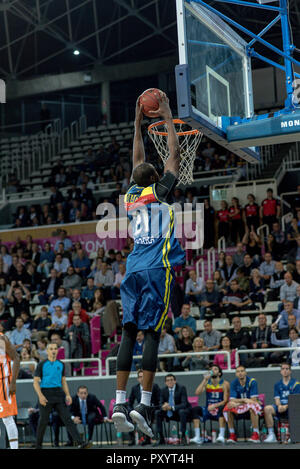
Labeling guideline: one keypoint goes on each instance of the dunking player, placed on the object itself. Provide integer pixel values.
(8, 376)
(217, 395)
(147, 286)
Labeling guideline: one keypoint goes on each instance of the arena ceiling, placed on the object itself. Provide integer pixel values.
(39, 36)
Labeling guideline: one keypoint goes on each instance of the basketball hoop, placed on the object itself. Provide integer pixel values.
(189, 141)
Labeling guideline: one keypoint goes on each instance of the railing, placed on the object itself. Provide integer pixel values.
(221, 244)
(173, 355)
(267, 154)
(287, 218)
(211, 261)
(260, 231)
(288, 162)
(200, 261)
(263, 350)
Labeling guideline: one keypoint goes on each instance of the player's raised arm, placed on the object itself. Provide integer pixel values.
(172, 163)
(138, 155)
(13, 355)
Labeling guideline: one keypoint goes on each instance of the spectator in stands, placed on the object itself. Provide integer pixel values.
(242, 280)
(221, 359)
(235, 299)
(191, 199)
(288, 291)
(257, 288)
(210, 336)
(27, 319)
(82, 264)
(115, 265)
(49, 287)
(62, 300)
(253, 245)
(184, 320)
(219, 282)
(19, 334)
(55, 198)
(251, 213)
(223, 221)
(72, 280)
(61, 265)
(47, 259)
(3, 270)
(243, 391)
(4, 288)
(228, 272)
(235, 216)
(33, 278)
(210, 300)
(194, 287)
(261, 338)
(294, 252)
(76, 296)
(274, 248)
(89, 291)
(63, 238)
(64, 254)
(79, 311)
(104, 279)
(296, 272)
(20, 275)
(277, 280)
(282, 389)
(267, 268)
(178, 197)
(184, 343)
(292, 341)
(59, 319)
(270, 210)
(197, 362)
(26, 370)
(15, 298)
(41, 351)
(166, 346)
(5, 256)
(288, 309)
(278, 234)
(238, 257)
(248, 266)
(174, 405)
(115, 290)
(239, 338)
(41, 324)
(79, 336)
(5, 317)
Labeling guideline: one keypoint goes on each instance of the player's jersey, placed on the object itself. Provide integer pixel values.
(237, 391)
(5, 364)
(153, 229)
(282, 391)
(214, 393)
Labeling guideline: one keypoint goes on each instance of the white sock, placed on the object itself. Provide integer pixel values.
(255, 430)
(222, 432)
(271, 431)
(197, 432)
(12, 432)
(231, 430)
(120, 397)
(146, 398)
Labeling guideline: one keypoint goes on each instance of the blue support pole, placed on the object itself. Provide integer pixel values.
(287, 48)
(270, 25)
(248, 4)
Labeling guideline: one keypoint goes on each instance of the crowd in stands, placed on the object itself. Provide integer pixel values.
(109, 165)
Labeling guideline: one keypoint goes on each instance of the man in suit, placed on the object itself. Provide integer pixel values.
(49, 287)
(135, 395)
(87, 410)
(174, 405)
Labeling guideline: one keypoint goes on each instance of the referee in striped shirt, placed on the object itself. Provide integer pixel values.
(51, 387)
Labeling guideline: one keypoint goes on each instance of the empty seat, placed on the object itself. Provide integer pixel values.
(200, 324)
(246, 321)
(222, 324)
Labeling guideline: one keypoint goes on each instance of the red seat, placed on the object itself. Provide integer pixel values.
(193, 400)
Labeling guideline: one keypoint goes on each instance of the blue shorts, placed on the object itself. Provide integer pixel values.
(146, 296)
(208, 416)
(282, 415)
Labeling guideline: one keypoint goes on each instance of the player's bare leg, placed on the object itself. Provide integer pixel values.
(12, 432)
(269, 414)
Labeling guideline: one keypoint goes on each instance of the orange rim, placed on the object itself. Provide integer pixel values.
(152, 129)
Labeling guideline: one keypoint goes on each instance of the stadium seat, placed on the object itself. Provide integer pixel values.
(221, 324)
(246, 321)
(271, 307)
(195, 312)
(200, 324)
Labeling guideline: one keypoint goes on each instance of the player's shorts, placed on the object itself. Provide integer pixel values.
(202, 411)
(8, 404)
(280, 415)
(146, 296)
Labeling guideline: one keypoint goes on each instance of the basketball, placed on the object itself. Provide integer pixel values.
(149, 101)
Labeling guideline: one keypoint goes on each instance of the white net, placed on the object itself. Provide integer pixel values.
(189, 141)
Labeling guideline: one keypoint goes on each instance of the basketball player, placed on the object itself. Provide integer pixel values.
(8, 377)
(217, 396)
(146, 288)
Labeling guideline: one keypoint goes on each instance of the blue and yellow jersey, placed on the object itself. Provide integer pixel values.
(282, 391)
(153, 228)
(214, 393)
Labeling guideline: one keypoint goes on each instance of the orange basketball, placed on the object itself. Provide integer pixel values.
(149, 101)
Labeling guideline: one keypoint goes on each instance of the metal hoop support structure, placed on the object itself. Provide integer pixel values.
(189, 140)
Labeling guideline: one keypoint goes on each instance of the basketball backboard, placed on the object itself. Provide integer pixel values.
(214, 79)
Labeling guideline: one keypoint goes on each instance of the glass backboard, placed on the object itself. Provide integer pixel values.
(214, 80)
